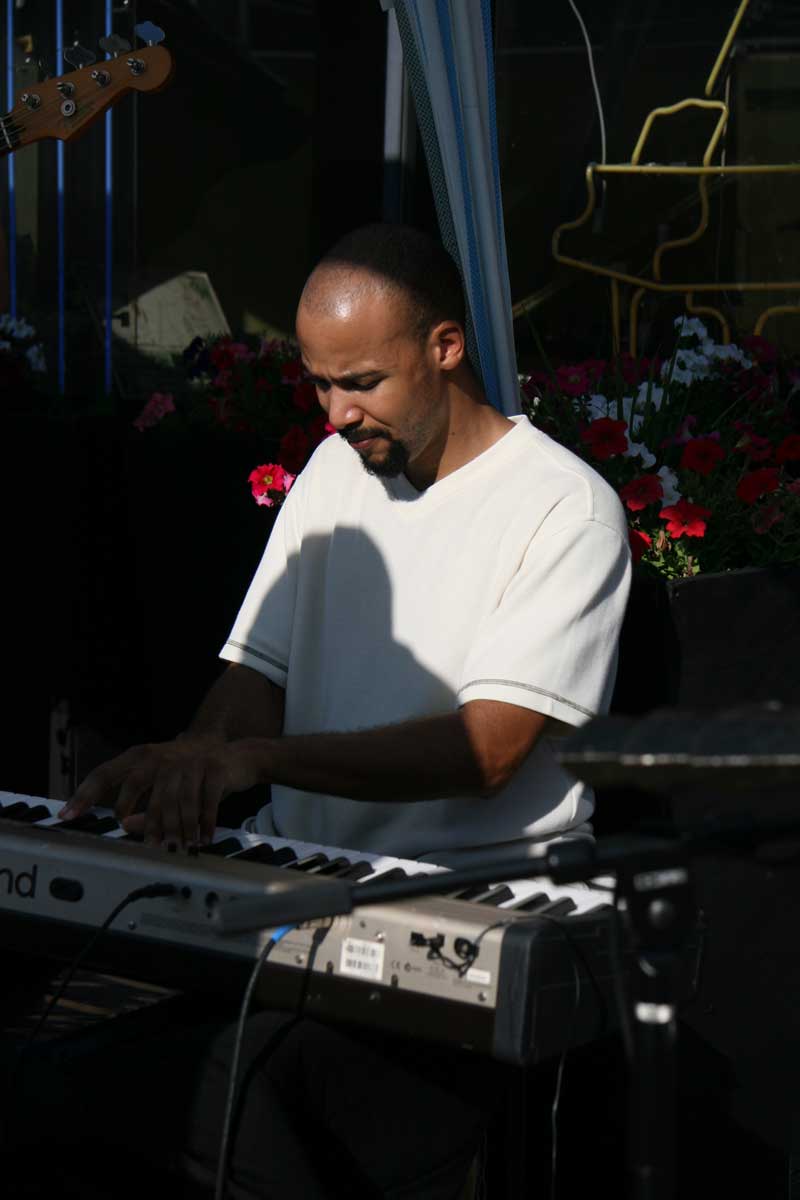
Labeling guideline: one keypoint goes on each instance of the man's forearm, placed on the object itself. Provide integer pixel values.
(240, 704)
(417, 760)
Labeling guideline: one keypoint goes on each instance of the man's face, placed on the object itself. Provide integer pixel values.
(379, 384)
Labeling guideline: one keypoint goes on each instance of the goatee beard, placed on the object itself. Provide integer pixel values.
(394, 463)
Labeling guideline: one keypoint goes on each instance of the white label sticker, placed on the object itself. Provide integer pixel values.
(476, 975)
(362, 958)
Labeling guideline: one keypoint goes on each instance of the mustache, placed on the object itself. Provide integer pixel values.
(351, 436)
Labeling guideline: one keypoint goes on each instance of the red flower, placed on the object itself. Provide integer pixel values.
(757, 483)
(319, 429)
(757, 448)
(766, 517)
(702, 455)
(222, 356)
(759, 348)
(267, 479)
(262, 384)
(642, 491)
(304, 396)
(595, 368)
(605, 438)
(640, 543)
(294, 448)
(292, 371)
(685, 517)
(789, 449)
(574, 381)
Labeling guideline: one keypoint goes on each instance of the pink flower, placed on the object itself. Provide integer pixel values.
(241, 353)
(684, 433)
(157, 407)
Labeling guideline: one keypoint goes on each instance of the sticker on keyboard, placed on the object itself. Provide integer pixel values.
(362, 959)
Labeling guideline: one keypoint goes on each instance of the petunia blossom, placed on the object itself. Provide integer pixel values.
(640, 543)
(702, 455)
(268, 479)
(789, 449)
(757, 483)
(685, 517)
(157, 407)
(573, 381)
(764, 518)
(295, 446)
(605, 438)
(637, 494)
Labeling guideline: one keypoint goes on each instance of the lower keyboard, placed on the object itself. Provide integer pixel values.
(517, 971)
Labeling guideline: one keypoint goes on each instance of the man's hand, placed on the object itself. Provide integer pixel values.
(179, 783)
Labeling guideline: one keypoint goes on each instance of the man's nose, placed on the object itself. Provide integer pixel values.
(342, 411)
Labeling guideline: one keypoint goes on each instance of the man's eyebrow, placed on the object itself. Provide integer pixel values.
(348, 376)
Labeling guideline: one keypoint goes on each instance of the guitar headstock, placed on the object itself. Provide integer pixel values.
(63, 107)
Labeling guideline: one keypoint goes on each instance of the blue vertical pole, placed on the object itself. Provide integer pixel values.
(109, 220)
(60, 207)
(12, 194)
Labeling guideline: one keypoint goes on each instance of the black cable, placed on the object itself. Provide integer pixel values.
(617, 975)
(142, 893)
(230, 1101)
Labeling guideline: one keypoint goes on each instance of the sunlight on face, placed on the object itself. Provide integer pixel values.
(376, 379)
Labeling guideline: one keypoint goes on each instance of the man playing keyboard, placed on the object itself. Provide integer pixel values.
(440, 599)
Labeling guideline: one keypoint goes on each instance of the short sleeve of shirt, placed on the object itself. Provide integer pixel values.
(551, 642)
(262, 633)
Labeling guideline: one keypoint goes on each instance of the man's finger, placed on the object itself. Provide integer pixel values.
(129, 796)
(99, 788)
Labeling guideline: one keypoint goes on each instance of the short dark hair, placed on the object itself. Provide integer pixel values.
(409, 261)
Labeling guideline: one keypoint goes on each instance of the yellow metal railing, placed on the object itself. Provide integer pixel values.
(704, 172)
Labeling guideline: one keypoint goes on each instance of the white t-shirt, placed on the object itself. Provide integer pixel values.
(375, 604)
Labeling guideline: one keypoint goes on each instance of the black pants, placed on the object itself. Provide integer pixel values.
(324, 1113)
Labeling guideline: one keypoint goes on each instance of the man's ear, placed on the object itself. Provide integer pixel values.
(449, 344)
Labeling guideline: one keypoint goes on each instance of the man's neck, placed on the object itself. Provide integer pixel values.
(473, 426)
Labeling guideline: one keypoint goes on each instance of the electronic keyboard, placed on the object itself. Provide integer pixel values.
(520, 971)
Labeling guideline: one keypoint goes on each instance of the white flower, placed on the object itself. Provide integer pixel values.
(639, 449)
(728, 353)
(16, 327)
(630, 413)
(690, 326)
(688, 366)
(656, 395)
(35, 356)
(597, 406)
(669, 481)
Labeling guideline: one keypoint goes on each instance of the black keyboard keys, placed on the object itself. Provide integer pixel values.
(24, 812)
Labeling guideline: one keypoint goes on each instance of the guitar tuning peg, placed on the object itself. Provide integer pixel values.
(78, 57)
(149, 33)
(30, 62)
(114, 45)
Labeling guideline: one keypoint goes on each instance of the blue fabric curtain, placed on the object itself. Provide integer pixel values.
(448, 54)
